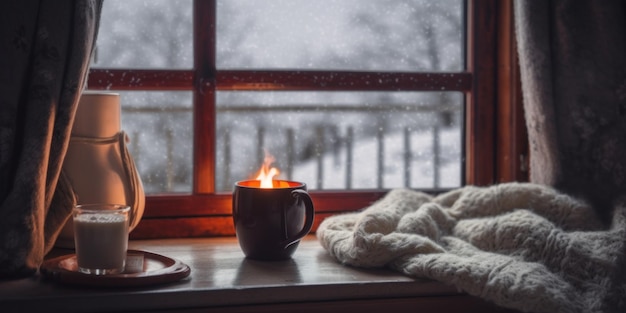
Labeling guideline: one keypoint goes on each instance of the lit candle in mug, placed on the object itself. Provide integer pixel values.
(267, 173)
(270, 215)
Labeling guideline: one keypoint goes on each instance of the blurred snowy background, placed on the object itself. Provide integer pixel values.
(330, 140)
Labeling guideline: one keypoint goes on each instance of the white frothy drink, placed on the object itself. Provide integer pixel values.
(101, 241)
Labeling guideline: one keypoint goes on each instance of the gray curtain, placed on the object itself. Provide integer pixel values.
(45, 48)
(573, 66)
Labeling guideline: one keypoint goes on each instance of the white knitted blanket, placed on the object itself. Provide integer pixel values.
(521, 246)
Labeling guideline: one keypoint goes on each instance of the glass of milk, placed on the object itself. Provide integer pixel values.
(101, 237)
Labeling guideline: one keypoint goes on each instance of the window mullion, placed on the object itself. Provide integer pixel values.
(140, 79)
(204, 14)
(342, 80)
(481, 102)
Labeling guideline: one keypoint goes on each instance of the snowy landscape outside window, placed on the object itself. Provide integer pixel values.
(354, 138)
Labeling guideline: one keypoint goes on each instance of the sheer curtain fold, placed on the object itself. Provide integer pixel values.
(573, 66)
(46, 48)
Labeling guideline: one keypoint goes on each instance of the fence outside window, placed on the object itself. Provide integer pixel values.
(339, 145)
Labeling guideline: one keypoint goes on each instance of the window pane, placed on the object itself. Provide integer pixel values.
(145, 34)
(342, 140)
(391, 35)
(160, 127)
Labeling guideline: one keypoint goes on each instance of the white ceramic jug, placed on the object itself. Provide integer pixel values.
(97, 163)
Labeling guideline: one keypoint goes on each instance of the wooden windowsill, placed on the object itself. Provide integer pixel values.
(223, 280)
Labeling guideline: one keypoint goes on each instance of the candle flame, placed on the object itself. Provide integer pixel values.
(267, 173)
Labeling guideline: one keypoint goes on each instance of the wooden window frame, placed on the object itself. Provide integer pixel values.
(495, 141)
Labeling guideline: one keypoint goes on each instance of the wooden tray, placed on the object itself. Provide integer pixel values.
(143, 269)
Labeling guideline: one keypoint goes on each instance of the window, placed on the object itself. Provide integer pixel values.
(206, 92)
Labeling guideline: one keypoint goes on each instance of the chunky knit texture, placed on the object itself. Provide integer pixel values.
(521, 246)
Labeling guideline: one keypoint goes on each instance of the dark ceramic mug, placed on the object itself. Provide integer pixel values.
(269, 222)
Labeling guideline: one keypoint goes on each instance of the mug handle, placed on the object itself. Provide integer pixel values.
(310, 215)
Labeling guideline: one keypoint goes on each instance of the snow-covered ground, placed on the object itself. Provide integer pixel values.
(365, 169)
